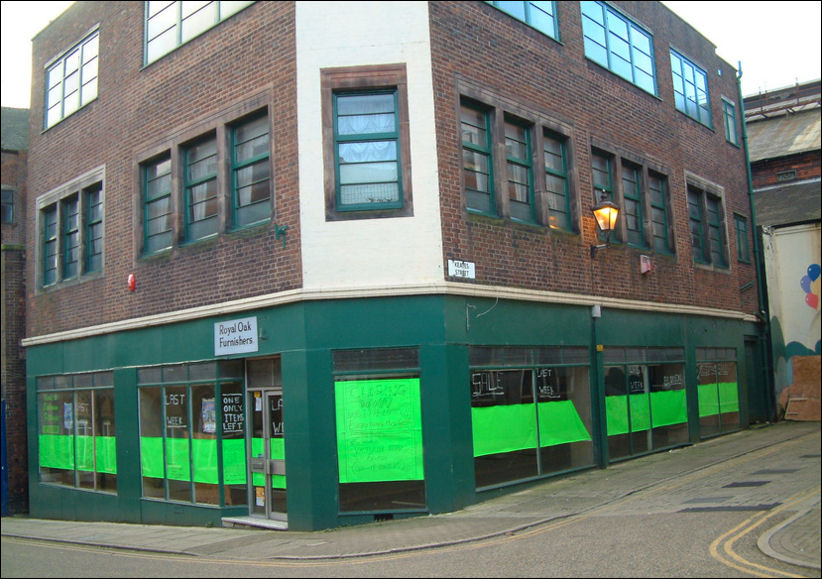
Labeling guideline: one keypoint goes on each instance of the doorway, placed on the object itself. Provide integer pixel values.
(267, 473)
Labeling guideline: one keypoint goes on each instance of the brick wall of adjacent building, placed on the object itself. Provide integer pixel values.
(247, 62)
(475, 45)
(12, 355)
(791, 168)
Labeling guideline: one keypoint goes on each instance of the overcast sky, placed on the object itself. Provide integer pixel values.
(778, 43)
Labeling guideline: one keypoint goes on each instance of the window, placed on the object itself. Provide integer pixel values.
(690, 89)
(76, 439)
(555, 158)
(617, 43)
(632, 204)
(729, 114)
(718, 391)
(602, 174)
(7, 206)
(157, 206)
(251, 172)
(519, 171)
(200, 186)
(477, 165)
(366, 153)
(71, 81)
(172, 24)
(540, 15)
(186, 435)
(660, 214)
(71, 230)
(743, 250)
(707, 227)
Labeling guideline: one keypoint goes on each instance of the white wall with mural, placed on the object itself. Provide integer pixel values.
(792, 267)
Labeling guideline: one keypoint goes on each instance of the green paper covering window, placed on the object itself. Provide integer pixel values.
(718, 393)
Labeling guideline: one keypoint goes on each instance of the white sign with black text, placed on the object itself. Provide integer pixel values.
(461, 269)
(235, 337)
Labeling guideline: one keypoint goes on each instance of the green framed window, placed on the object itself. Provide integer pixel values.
(172, 24)
(602, 174)
(157, 206)
(200, 187)
(660, 213)
(743, 248)
(7, 205)
(76, 439)
(691, 89)
(71, 80)
(717, 391)
(70, 221)
(615, 42)
(519, 171)
(250, 172)
(555, 158)
(729, 116)
(707, 227)
(477, 160)
(192, 432)
(94, 227)
(539, 15)
(632, 204)
(367, 156)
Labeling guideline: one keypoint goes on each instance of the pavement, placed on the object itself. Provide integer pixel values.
(775, 449)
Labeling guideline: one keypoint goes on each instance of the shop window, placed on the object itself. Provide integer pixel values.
(718, 390)
(379, 432)
(76, 440)
(645, 400)
(191, 422)
(529, 421)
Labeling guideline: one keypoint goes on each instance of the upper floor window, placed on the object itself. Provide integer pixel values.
(71, 80)
(157, 205)
(70, 222)
(660, 213)
(555, 157)
(475, 127)
(519, 169)
(200, 185)
(7, 205)
(620, 45)
(250, 171)
(539, 15)
(691, 89)
(602, 173)
(729, 115)
(632, 200)
(367, 150)
(743, 248)
(707, 227)
(172, 24)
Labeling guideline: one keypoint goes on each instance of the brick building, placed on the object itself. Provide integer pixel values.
(249, 221)
(15, 140)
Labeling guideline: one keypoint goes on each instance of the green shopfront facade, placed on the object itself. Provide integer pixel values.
(327, 413)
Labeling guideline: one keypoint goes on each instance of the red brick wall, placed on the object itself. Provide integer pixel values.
(249, 56)
(474, 43)
(806, 165)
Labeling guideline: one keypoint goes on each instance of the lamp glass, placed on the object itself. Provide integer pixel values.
(606, 213)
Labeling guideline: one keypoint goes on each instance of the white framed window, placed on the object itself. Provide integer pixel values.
(71, 79)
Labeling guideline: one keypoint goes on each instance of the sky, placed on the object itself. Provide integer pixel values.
(778, 44)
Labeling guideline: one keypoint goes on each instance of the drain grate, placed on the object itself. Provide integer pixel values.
(729, 508)
(750, 483)
(776, 471)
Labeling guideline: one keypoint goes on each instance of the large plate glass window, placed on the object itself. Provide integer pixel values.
(718, 389)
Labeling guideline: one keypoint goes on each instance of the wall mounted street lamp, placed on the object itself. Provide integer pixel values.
(606, 213)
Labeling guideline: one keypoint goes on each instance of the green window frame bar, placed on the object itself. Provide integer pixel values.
(718, 391)
(70, 236)
(204, 470)
(477, 159)
(367, 159)
(743, 248)
(691, 94)
(615, 42)
(632, 205)
(378, 425)
(76, 431)
(729, 116)
(645, 400)
(555, 158)
(50, 245)
(250, 172)
(530, 413)
(157, 206)
(169, 25)
(660, 216)
(538, 15)
(520, 174)
(200, 186)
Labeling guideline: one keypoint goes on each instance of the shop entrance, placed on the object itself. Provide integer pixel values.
(267, 480)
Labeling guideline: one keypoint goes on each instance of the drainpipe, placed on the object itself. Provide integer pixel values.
(761, 282)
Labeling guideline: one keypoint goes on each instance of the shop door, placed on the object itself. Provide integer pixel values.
(267, 464)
